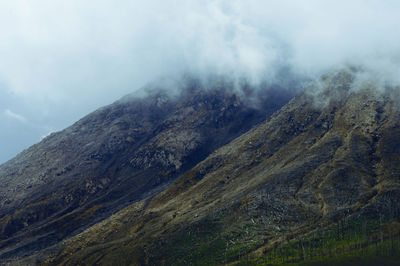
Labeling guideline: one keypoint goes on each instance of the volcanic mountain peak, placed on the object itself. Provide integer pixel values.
(119, 154)
(305, 169)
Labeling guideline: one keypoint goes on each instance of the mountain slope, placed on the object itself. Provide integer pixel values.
(115, 156)
(328, 158)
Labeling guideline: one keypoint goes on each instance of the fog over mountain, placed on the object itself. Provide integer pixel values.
(62, 59)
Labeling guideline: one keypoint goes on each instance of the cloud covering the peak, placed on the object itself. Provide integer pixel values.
(61, 59)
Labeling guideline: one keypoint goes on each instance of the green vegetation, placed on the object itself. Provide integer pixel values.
(349, 242)
(353, 241)
(208, 242)
(380, 254)
(198, 244)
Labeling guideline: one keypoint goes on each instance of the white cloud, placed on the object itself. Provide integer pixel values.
(60, 59)
(15, 116)
(70, 50)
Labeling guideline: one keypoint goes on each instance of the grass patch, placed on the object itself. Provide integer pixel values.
(212, 241)
(349, 242)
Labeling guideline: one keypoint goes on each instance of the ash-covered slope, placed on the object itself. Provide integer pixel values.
(118, 154)
(321, 160)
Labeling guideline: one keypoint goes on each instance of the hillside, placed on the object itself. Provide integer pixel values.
(117, 155)
(319, 178)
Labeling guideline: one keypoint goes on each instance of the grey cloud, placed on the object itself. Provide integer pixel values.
(60, 59)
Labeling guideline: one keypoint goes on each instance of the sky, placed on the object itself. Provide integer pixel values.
(62, 59)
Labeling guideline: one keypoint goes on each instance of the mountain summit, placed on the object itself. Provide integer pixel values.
(202, 178)
(119, 154)
(318, 179)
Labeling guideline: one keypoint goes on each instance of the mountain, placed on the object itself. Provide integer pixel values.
(319, 179)
(117, 155)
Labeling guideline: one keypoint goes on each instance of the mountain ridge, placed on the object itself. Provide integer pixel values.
(117, 155)
(307, 168)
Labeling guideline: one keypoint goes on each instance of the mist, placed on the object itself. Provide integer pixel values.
(61, 59)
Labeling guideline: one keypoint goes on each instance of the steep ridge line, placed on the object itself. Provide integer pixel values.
(306, 168)
(117, 155)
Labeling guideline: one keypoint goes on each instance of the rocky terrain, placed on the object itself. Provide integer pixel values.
(119, 154)
(319, 179)
(317, 172)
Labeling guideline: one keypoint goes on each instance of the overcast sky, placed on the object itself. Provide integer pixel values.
(61, 59)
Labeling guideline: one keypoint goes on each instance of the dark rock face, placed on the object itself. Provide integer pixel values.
(117, 155)
(310, 165)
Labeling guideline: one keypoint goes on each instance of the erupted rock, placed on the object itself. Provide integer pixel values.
(119, 154)
(331, 154)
